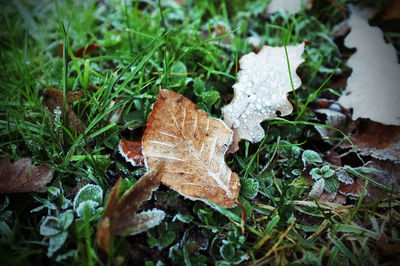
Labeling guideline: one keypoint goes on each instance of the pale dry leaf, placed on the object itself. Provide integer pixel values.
(317, 188)
(261, 90)
(21, 176)
(373, 88)
(289, 6)
(193, 147)
(120, 216)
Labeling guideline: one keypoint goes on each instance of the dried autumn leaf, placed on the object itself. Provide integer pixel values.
(388, 175)
(261, 91)
(373, 88)
(53, 99)
(132, 151)
(193, 147)
(377, 140)
(120, 216)
(21, 176)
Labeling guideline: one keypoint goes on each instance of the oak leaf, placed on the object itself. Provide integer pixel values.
(193, 147)
(373, 87)
(21, 176)
(261, 91)
(120, 216)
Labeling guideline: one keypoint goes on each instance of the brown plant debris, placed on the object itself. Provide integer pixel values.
(21, 176)
(132, 151)
(193, 147)
(53, 100)
(120, 216)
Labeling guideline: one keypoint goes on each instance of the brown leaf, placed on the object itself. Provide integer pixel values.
(379, 141)
(21, 176)
(132, 151)
(193, 147)
(120, 215)
(355, 189)
(389, 175)
(53, 99)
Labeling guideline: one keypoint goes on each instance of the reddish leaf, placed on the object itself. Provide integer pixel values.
(21, 176)
(379, 141)
(132, 151)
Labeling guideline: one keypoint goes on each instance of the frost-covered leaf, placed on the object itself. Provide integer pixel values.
(344, 177)
(379, 141)
(331, 184)
(261, 90)
(90, 192)
(56, 242)
(249, 187)
(373, 88)
(317, 188)
(120, 215)
(311, 157)
(65, 219)
(21, 176)
(132, 151)
(49, 226)
(193, 147)
(91, 205)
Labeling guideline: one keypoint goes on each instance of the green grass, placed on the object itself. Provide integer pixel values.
(141, 49)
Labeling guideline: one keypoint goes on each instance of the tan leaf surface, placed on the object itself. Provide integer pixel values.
(261, 90)
(120, 216)
(193, 147)
(21, 176)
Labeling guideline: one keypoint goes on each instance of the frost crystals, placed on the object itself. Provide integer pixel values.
(261, 90)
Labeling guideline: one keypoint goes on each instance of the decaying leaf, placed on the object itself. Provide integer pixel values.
(193, 147)
(120, 216)
(373, 88)
(21, 176)
(53, 99)
(388, 175)
(377, 140)
(132, 151)
(261, 91)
